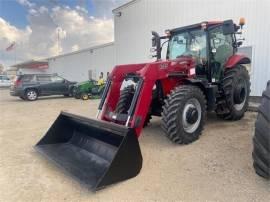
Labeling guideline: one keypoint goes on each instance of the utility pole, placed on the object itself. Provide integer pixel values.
(58, 45)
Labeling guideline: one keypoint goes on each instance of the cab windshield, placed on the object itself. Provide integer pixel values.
(188, 43)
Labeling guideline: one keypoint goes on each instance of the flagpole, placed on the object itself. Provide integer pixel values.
(15, 55)
(58, 45)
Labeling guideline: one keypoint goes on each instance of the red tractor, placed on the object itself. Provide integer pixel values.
(202, 72)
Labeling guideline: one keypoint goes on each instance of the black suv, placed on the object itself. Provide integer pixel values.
(31, 86)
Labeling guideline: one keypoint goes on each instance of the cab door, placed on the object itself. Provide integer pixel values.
(221, 48)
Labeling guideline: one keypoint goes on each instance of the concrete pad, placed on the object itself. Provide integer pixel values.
(217, 167)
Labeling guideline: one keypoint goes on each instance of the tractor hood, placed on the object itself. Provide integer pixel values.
(81, 83)
(184, 62)
(181, 65)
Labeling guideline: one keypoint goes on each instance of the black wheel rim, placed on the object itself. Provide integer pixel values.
(191, 116)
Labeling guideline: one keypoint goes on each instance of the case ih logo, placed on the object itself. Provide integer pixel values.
(163, 65)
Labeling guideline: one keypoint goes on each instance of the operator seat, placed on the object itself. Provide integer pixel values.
(223, 52)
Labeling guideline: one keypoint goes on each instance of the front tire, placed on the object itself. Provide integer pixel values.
(125, 99)
(236, 90)
(84, 96)
(183, 114)
(31, 94)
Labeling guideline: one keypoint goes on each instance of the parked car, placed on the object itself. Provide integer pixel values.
(5, 81)
(31, 86)
(87, 89)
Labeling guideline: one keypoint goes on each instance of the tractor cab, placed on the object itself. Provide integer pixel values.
(210, 44)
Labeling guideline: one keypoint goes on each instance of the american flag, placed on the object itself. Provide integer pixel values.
(11, 46)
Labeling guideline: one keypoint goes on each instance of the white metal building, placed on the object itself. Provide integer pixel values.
(84, 64)
(135, 20)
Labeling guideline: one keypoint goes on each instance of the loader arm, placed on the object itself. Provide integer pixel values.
(147, 75)
(139, 111)
(142, 96)
(117, 76)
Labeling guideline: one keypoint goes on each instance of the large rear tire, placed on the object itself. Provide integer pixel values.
(261, 139)
(183, 114)
(236, 90)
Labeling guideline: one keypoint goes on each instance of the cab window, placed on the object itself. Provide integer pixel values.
(190, 43)
(221, 45)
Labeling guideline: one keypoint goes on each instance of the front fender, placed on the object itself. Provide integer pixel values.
(237, 59)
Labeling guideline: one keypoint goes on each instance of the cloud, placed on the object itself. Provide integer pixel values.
(26, 3)
(43, 9)
(103, 8)
(79, 8)
(10, 33)
(33, 11)
(57, 29)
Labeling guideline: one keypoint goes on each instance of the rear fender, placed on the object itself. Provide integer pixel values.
(237, 59)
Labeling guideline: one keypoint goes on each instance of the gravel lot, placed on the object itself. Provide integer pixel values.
(217, 167)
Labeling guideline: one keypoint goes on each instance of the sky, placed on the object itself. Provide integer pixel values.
(45, 28)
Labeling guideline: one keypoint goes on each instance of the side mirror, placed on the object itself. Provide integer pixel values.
(154, 42)
(239, 43)
(228, 27)
(155, 39)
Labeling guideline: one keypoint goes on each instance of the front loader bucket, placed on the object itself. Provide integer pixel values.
(98, 153)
